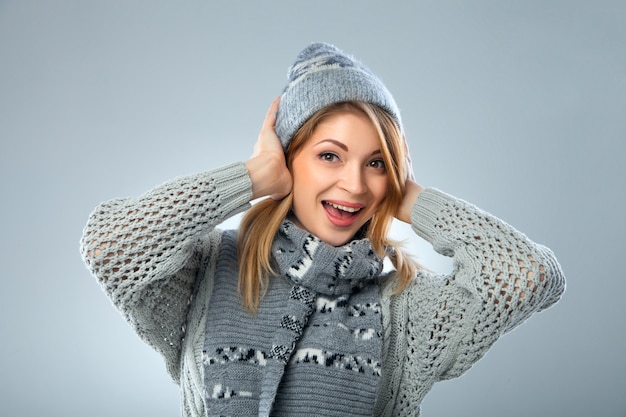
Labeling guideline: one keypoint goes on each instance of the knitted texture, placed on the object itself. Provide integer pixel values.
(500, 278)
(156, 258)
(145, 252)
(313, 347)
(322, 75)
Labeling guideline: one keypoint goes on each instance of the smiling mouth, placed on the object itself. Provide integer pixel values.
(347, 209)
(340, 215)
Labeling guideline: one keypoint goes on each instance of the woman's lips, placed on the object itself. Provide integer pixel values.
(341, 214)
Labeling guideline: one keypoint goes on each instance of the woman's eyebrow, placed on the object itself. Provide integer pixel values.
(335, 142)
(344, 147)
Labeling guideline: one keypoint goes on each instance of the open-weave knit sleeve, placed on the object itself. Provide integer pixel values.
(499, 278)
(146, 252)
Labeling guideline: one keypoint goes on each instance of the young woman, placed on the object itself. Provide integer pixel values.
(292, 314)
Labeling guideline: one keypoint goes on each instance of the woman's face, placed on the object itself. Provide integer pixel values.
(339, 178)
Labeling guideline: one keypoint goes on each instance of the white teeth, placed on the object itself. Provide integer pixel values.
(344, 208)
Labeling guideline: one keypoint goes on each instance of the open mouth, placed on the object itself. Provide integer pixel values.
(341, 215)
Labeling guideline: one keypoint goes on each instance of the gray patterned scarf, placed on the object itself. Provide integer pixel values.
(315, 344)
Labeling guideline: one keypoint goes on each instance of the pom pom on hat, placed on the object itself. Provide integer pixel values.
(323, 75)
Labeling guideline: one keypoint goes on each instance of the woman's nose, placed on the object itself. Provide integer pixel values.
(353, 180)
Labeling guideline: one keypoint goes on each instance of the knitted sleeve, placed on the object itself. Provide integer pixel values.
(499, 278)
(146, 252)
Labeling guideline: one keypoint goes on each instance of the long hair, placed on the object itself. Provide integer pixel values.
(261, 222)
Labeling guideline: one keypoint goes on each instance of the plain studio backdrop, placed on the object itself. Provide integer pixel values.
(516, 106)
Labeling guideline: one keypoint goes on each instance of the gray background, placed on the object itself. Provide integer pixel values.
(517, 106)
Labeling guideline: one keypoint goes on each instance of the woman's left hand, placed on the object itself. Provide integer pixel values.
(411, 192)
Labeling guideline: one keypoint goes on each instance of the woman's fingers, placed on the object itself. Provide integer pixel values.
(267, 166)
(270, 117)
(268, 140)
(410, 174)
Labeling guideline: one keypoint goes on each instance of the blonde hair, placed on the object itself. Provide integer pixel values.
(260, 224)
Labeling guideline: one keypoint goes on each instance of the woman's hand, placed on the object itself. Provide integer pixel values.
(267, 166)
(411, 190)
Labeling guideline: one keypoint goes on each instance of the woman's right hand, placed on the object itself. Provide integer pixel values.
(267, 166)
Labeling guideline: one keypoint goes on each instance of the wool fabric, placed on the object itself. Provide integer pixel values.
(319, 327)
(156, 257)
(321, 75)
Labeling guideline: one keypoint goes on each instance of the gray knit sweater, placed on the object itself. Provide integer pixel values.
(155, 257)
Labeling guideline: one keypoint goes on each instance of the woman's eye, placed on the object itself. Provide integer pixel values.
(378, 164)
(328, 157)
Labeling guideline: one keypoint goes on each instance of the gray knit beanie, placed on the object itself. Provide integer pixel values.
(322, 75)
